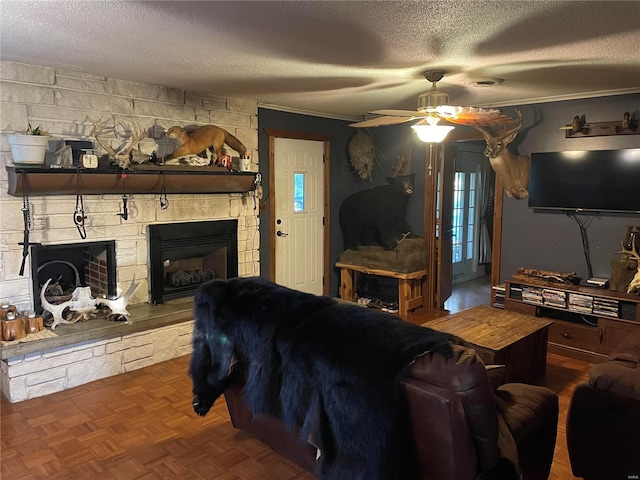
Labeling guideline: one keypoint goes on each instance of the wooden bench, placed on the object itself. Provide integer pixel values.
(409, 284)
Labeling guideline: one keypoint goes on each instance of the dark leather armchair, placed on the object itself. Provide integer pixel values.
(603, 421)
(465, 427)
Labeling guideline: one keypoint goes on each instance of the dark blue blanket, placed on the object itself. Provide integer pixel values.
(330, 368)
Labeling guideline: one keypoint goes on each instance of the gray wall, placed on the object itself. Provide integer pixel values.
(340, 132)
(530, 239)
(344, 180)
(552, 240)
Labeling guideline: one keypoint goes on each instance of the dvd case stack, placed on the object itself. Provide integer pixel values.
(498, 296)
(606, 307)
(532, 295)
(554, 298)
(580, 303)
(515, 292)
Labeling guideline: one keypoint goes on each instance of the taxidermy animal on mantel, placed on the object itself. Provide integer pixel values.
(511, 169)
(203, 138)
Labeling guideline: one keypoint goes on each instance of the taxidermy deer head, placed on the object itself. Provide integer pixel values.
(511, 169)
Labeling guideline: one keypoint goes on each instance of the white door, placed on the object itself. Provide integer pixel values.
(298, 187)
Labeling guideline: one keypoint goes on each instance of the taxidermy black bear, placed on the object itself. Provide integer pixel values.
(377, 216)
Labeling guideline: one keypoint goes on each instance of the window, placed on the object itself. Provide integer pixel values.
(458, 211)
(464, 203)
(298, 192)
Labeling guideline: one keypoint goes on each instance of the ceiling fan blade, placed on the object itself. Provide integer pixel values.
(479, 116)
(380, 121)
(398, 113)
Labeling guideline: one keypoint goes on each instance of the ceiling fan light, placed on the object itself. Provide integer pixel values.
(431, 133)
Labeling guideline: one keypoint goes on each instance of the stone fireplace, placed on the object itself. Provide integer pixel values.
(66, 104)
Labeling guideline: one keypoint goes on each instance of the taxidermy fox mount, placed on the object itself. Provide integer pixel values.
(202, 138)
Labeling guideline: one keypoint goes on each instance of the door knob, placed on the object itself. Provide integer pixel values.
(281, 234)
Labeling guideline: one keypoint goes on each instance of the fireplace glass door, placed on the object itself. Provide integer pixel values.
(186, 255)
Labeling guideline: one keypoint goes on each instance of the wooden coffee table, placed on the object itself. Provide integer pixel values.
(513, 339)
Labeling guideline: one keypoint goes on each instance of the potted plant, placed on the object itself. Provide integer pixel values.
(29, 148)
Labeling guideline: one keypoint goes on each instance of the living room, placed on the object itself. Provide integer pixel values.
(67, 102)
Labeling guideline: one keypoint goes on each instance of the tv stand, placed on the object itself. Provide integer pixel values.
(588, 322)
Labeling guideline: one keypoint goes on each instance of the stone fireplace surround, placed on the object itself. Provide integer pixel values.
(66, 104)
(88, 351)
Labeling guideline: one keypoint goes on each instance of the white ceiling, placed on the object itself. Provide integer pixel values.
(340, 58)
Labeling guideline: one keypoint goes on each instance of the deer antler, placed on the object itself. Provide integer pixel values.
(118, 306)
(123, 156)
(635, 282)
(99, 128)
(137, 134)
(495, 143)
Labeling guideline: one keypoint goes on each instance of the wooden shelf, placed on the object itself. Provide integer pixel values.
(150, 179)
(570, 334)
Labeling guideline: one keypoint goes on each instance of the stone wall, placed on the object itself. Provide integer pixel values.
(66, 105)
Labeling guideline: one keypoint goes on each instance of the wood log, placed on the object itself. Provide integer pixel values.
(13, 329)
(33, 324)
(548, 275)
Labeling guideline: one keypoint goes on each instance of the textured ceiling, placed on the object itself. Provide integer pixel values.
(339, 58)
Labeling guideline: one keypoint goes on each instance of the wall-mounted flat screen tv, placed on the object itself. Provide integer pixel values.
(592, 180)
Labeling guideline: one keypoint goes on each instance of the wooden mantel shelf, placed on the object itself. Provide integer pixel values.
(150, 179)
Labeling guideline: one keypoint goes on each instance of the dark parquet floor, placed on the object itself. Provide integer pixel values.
(140, 425)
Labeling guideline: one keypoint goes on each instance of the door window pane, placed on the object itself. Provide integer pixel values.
(298, 192)
(458, 215)
(471, 220)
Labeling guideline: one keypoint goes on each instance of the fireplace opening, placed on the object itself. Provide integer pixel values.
(69, 266)
(185, 255)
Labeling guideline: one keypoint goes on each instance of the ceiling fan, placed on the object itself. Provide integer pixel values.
(433, 106)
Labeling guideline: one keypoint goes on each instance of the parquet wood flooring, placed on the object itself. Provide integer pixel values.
(140, 426)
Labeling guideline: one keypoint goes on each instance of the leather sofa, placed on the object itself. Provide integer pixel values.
(466, 425)
(603, 420)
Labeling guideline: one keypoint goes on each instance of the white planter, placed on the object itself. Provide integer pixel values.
(28, 149)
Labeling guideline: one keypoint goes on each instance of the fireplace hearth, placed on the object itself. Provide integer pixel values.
(185, 255)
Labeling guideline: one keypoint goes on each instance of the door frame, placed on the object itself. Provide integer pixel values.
(434, 153)
(326, 139)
